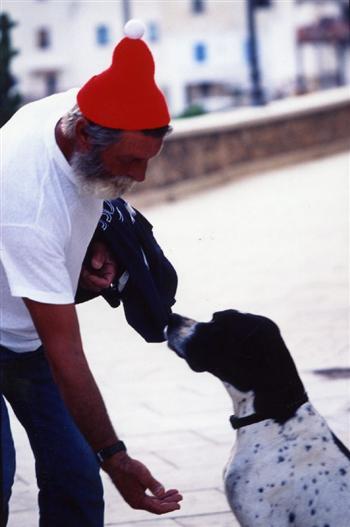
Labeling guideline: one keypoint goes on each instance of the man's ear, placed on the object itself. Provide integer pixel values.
(81, 136)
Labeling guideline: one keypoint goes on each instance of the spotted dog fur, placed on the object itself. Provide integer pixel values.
(288, 469)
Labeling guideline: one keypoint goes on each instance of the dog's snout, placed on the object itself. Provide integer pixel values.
(175, 321)
(178, 332)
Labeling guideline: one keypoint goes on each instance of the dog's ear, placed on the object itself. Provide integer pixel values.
(246, 333)
(278, 382)
(245, 343)
(262, 362)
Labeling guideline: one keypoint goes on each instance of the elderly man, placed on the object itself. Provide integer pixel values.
(62, 156)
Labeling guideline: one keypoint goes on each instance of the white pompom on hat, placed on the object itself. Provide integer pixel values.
(135, 28)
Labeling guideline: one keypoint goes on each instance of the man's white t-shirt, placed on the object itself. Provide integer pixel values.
(46, 225)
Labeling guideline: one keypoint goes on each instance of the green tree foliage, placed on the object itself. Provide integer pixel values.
(9, 98)
(192, 111)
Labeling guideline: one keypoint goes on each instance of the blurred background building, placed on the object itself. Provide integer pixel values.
(204, 49)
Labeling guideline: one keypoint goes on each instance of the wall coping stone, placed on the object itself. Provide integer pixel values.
(259, 115)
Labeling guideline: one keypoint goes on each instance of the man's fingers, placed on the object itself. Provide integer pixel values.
(154, 486)
(97, 260)
(99, 281)
(159, 506)
(171, 492)
(99, 255)
(172, 496)
(95, 281)
(108, 271)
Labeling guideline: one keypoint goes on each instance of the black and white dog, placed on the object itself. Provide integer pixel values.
(287, 468)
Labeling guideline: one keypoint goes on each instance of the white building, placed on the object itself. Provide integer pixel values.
(200, 46)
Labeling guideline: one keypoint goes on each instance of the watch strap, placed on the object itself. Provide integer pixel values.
(109, 451)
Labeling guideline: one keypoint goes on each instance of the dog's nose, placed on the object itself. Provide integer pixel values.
(175, 321)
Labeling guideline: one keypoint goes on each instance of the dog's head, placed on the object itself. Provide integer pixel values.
(244, 350)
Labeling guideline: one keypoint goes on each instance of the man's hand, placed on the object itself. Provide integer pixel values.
(99, 270)
(133, 479)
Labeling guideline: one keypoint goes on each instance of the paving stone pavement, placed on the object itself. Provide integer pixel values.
(276, 244)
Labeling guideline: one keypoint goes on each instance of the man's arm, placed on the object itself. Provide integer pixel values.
(58, 328)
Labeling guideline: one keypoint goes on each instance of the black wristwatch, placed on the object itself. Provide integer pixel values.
(105, 453)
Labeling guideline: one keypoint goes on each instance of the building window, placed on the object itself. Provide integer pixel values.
(200, 52)
(51, 82)
(153, 32)
(198, 6)
(102, 35)
(43, 38)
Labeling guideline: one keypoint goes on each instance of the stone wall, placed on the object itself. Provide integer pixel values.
(243, 140)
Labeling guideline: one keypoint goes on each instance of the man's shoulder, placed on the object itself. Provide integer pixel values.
(29, 182)
(36, 113)
(61, 101)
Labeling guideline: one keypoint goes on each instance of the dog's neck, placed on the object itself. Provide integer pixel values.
(245, 416)
(243, 402)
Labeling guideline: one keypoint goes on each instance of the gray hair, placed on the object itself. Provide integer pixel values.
(99, 135)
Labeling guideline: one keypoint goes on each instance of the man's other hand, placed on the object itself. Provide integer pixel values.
(99, 269)
(133, 480)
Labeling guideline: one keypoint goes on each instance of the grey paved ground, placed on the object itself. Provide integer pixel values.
(275, 244)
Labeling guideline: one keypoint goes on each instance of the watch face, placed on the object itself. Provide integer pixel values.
(106, 453)
(99, 457)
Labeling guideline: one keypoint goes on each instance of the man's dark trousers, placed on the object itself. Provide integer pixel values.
(70, 487)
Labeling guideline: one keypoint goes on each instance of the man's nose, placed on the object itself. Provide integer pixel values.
(138, 173)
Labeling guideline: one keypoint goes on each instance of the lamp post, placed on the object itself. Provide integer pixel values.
(257, 93)
(126, 10)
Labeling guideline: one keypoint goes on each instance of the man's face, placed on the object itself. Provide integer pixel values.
(109, 172)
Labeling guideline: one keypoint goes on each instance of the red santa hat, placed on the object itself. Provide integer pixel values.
(125, 96)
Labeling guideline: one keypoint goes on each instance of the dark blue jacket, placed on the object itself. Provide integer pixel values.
(150, 289)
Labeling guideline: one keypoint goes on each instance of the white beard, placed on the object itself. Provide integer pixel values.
(94, 180)
(103, 189)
